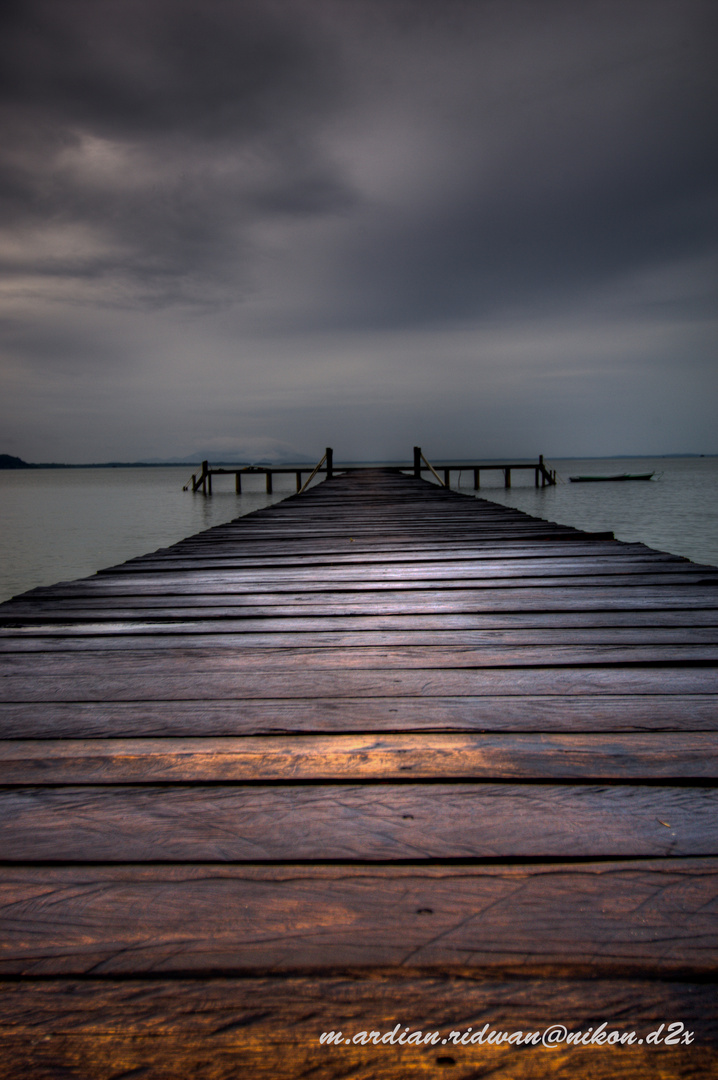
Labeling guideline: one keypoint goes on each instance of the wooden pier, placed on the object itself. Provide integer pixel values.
(202, 481)
(379, 757)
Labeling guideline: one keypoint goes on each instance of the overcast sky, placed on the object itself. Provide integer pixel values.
(242, 227)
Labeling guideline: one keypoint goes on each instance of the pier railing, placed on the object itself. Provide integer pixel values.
(418, 458)
(543, 476)
(326, 460)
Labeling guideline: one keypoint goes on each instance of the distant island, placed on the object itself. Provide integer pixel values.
(7, 461)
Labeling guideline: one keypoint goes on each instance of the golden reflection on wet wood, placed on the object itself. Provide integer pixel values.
(686, 756)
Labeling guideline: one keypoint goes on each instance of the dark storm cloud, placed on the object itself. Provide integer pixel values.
(288, 206)
(480, 258)
(166, 128)
(132, 67)
(572, 148)
(586, 155)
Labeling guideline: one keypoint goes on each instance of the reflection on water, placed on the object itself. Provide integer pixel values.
(60, 524)
(677, 513)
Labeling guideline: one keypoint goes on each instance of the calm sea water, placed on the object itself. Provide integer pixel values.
(678, 512)
(60, 524)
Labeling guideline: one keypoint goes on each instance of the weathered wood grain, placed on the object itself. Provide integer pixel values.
(364, 586)
(224, 1057)
(611, 918)
(549, 713)
(398, 599)
(671, 628)
(350, 648)
(313, 572)
(368, 822)
(341, 682)
(626, 756)
(299, 661)
(280, 1006)
(270, 1027)
(103, 637)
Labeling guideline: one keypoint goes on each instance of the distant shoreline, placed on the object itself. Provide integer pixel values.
(8, 462)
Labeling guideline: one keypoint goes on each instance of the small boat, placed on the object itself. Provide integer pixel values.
(617, 476)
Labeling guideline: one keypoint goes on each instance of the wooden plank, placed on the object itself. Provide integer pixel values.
(371, 576)
(289, 554)
(632, 755)
(317, 646)
(367, 822)
(18, 638)
(345, 682)
(427, 657)
(240, 587)
(224, 1057)
(217, 635)
(105, 643)
(549, 713)
(459, 601)
(478, 567)
(270, 1027)
(277, 1007)
(653, 917)
(215, 606)
(235, 598)
(286, 549)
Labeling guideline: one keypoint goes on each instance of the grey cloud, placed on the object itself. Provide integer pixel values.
(222, 117)
(206, 109)
(128, 66)
(358, 173)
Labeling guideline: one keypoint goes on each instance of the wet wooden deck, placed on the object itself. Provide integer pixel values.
(379, 754)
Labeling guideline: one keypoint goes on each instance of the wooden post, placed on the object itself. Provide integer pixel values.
(447, 478)
(507, 478)
(238, 483)
(477, 482)
(417, 463)
(194, 481)
(330, 463)
(205, 466)
(209, 482)
(299, 480)
(269, 482)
